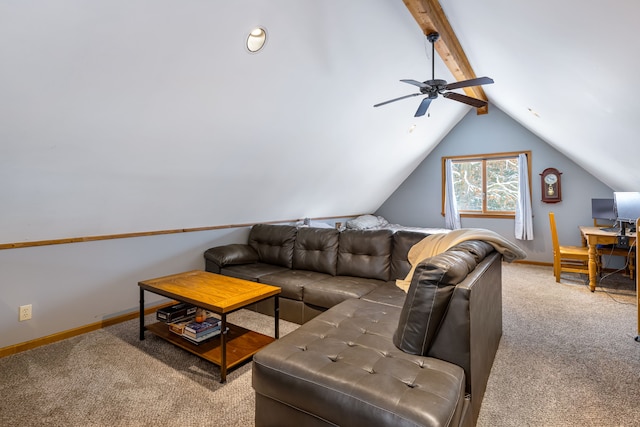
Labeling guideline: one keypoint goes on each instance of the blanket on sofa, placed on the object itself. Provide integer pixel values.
(435, 244)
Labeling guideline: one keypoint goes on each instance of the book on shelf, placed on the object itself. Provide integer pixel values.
(196, 332)
(178, 327)
(203, 333)
(199, 327)
(203, 338)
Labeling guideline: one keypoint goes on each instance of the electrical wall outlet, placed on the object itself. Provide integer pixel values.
(25, 312)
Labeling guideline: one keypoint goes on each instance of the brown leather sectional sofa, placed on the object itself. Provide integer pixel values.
(367, 353)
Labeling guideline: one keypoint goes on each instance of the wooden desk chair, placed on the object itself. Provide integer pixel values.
(569, 259)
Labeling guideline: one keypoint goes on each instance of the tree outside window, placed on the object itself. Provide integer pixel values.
(485, 185)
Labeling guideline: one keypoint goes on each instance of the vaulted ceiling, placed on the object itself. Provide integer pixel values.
(432, 20)
(564, 70)
(150, 115)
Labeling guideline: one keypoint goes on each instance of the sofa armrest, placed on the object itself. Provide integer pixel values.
(470, 332)
(233, 254)
(453, 312)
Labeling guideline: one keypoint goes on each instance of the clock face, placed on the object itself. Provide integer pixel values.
(551, 179)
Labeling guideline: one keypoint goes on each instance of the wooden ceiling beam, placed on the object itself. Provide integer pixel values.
(431, 18)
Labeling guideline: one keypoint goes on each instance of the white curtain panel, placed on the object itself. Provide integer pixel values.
(451, 214)
(524, 215)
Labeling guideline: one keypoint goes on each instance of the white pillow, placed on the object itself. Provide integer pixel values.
(365, 222)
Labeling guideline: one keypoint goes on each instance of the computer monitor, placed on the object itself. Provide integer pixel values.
(603, 209)
(627, 206)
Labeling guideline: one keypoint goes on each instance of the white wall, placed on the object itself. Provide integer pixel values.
(132, 116)
(77, 284)
(418, 200)
(146, 115)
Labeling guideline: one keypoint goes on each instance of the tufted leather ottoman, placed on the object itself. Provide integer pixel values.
(341, 368)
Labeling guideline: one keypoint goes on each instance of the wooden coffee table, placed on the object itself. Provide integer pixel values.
(221, 295)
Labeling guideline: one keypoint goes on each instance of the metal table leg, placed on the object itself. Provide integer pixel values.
(223, 348)
(141, 314)
(276, 315)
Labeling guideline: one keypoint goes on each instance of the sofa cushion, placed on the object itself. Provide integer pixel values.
(365, 253)
(387, 294)
(342, 368)
(251, 272)
(292, 282)
(428, 298)
(333, 290)
(316, 249)
(273, 243)
(403, 241)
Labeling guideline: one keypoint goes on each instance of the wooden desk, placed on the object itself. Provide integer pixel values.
(595, 236)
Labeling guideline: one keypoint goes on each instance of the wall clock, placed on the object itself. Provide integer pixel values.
(551, 188)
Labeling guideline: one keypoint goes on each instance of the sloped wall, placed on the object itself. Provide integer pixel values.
(417, 201)
(126, 117)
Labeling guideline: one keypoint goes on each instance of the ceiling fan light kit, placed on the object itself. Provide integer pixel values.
(434, 87)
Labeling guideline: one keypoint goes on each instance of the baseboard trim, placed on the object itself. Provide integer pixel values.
(524, 261)
(59, 336)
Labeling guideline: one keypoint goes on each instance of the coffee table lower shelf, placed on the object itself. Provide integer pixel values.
(241, 344)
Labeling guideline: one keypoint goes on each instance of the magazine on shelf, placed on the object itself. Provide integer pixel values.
(196, 332)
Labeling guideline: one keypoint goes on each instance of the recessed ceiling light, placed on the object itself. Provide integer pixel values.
(256, 39)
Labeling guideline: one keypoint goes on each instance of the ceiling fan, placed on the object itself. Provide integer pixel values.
(433, 87)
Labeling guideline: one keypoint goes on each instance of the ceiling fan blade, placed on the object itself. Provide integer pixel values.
(416, 83)
(471, 82)
(474, 102)
(424, 106)
(397, 99)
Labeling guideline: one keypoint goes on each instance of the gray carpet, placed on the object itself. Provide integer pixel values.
(567, 358)
(110, 378)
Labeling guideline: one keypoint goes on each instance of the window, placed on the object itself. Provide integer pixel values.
(485, 185)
